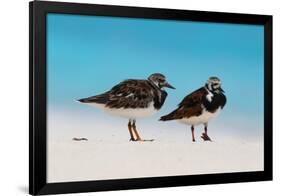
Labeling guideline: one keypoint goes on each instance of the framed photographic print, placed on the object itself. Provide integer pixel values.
(130, 97)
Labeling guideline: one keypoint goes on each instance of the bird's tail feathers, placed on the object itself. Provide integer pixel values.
(83, 100)
(101, 99)
(167, 117)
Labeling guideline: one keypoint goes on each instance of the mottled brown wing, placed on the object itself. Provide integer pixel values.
(189, 106)
(186, 112)
(130, 94)
(194, 98)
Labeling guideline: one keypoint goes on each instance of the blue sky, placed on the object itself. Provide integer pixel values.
(87, 55)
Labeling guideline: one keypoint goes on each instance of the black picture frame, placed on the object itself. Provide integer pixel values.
(37, 97)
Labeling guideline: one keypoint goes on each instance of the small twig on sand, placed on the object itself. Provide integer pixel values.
(79, 139)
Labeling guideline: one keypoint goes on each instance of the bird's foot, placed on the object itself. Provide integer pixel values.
(205, 137)
(132, 140)
(145, 140)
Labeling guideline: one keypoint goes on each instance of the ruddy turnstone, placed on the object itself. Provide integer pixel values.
(200, 106)
(133, 99)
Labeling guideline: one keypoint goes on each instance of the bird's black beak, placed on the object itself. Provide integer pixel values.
(221, 90)
(168, 85)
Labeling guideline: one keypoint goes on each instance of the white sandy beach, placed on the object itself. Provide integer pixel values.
(111, 157)
(94, 160)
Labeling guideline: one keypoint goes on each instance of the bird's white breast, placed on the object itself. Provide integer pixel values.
(131, 113)
(201, 119)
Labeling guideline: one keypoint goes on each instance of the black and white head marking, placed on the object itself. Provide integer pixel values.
(159, 80)
(213, 85)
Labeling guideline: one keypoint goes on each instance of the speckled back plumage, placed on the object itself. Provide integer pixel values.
(191, 105)
(130, 94)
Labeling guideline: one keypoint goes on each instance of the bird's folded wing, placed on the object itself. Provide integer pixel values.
(194, 98)
(130, 94)
(189, 106)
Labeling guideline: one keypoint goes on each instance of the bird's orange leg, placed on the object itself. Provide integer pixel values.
(205, 136)
(135, 131)
(131, 132)
(137, 134)
(192, 131)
